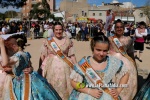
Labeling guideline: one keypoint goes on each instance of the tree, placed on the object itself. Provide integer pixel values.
(146, 9)
(14, 3)
(41, 11)
(10, 14)
(2, 16)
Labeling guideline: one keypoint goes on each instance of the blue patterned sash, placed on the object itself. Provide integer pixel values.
(121, 49)
(85, 68)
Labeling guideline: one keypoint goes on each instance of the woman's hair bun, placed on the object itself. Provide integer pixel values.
(20, 42)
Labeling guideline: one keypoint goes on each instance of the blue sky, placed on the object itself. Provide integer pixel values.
(99, 2)
(138, 3)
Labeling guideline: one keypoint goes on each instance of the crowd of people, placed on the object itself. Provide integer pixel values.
(109, 74)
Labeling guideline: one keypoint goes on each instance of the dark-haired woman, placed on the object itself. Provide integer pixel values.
(54, 68)
(140, 33)
(106, 67)
(122, 48)
(23, 86)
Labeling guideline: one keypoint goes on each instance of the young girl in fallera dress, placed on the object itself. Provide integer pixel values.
(105, 66)
(24, 86)
(5, 70)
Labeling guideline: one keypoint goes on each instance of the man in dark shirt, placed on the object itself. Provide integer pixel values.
(13, 28)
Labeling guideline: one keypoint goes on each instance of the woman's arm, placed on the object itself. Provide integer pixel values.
(122, 82)
(3, 53)
(144, 33)
(73, 59)
(93, 92)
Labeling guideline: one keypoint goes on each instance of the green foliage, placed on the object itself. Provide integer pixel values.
(2, 16)
(10, 14)
(41, 11)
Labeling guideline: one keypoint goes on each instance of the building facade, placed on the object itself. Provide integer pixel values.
(80, 9)
(140, 16)
(74, 9)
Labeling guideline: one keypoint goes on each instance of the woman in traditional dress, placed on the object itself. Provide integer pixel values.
(6, 71)
(140, 33)
(24, 86)
(3, 62)
(105, 67)
(122, 48)
(54, 68)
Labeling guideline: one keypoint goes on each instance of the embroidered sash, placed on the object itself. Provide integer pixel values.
(58, 51)
(27, 87)
(121, 49)
(86, 69)
(12, 95)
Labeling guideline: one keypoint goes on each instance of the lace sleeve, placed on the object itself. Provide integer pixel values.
(71, 49)
(15, 66)
(130, 48)
(76, 77)
(44, 49)
(122, 71)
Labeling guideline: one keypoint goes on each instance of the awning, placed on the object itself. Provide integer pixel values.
(125, 18)
(82, 19)
(92, 19)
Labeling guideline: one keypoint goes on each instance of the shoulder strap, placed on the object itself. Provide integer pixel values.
(58, 51)
(121, 49)
(118, 45)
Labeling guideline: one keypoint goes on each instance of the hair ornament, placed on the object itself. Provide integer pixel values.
(19, 39)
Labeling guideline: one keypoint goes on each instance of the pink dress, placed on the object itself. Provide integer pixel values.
(3, 78)
(2, 81)
(129, 92)
(55, 70)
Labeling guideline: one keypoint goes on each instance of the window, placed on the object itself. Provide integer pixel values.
(93, 14)
(82, 13)
(141, 14)
(85, 14)
(75, 15)
(100, 14)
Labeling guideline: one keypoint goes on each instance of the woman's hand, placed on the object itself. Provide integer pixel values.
(7, 69)
(114, 92)
(28, 70)
(95, 93)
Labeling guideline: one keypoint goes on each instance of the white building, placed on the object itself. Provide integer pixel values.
(140, 16)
